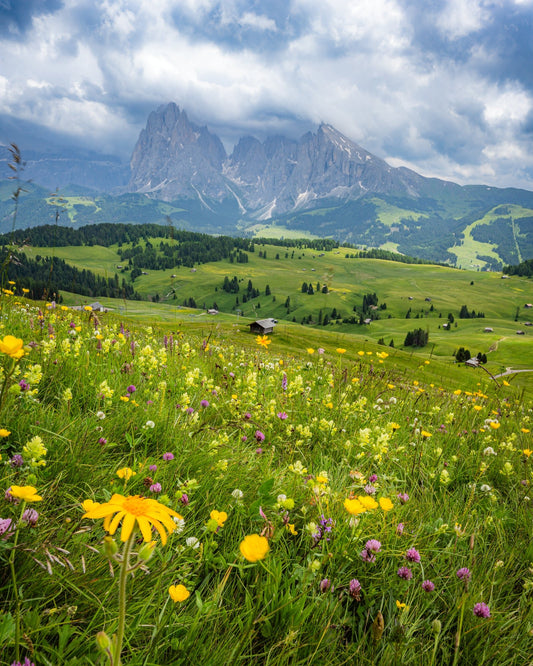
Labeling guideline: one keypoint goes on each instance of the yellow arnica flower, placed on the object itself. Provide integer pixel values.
(178, 593)
(254, 547)
(135, 510)
(219, 516)
(12, 346)
(494, 425)
(425, 433)
(263, 340)
(4, 432)
(354, 506)
(125, 473)
(25, 493)
(385, 503)
(310, 350)
(340, 350)
(89, 504)
(368, 502)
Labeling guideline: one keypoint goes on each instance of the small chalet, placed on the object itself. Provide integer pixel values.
(367, 322)
(472, 362)
(488, 330)
(520, 333)
(263, 326)
(528, 305)
(212, 311)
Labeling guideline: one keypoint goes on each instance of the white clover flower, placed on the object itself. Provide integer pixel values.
(489, 451)
(180, 525)
(100, 415)
(192, 542)
(485, 488)
(237, 494)
(149, 424)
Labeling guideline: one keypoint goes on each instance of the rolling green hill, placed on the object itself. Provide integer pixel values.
(271, 284)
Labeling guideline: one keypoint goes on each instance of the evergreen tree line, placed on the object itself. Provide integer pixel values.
(44, 277)
(524, 269)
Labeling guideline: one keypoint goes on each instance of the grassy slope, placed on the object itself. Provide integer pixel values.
(348, 280)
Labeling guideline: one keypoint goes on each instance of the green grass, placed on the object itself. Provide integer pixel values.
(348, 281)
(282, 438)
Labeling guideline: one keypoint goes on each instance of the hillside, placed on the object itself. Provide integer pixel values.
(342, 290)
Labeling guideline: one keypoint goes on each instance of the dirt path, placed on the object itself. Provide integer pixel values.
(510, 371)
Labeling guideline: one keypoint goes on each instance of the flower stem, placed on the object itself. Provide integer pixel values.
(15, 588)
(124, 566)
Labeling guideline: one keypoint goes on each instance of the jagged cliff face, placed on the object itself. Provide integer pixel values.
(175, 158)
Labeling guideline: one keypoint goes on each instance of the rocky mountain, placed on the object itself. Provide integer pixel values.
(174, 158)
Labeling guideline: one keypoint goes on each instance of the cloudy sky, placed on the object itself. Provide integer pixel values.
(442, 86)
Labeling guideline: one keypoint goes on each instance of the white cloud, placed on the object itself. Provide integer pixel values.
(257, 21)
(462, 17)
(509, 107)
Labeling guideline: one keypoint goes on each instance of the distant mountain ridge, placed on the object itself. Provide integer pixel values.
(322, 184)
(174, 158)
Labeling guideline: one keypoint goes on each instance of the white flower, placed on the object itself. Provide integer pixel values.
(489, 451)
(237, 494)
(100, 415)
(180, 525)
(192, 542)
(485, 488)
(149, 424)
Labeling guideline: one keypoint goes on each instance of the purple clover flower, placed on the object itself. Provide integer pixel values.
(405, 573)
(369, 489)
(282, 415)
(373, 478)
(30, 517)
(168, 456)
(204, 403)
(367, 556)
(428, 586)
(355, 588)
(155, 488)
(131, 389)
(6, 527)
(17, 460)
(464, 573)
(412, 555)
(284, 382)
(325, 585)
(259, 436)
(481, 610)
(102, 441)
(403, 497)
(373, 545)
(184, 499)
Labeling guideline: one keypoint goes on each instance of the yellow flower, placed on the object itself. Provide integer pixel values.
(401, 606)
(125, 473)
(254, 547)
(292, 529)
(525, 430)
(478, 408)
(4, 432)
(354, 506)
(425, 433)
(506, 383)
(219, 516)
(12, 346)
(88, 308)
(25, 291)
(310, 350)
(178, 593)
(135, 510)
(527, 452)
(25, 493)
(390, 386)
(263, 341)
(368, 502)
(340, 350)
(494, 425)
(385, 503)
(361, 353)
(394, 426)
(11, 282)
(89, 504)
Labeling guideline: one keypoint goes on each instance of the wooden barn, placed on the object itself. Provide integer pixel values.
(263, 326)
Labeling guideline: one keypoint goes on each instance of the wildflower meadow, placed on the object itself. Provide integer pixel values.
(172, 498)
